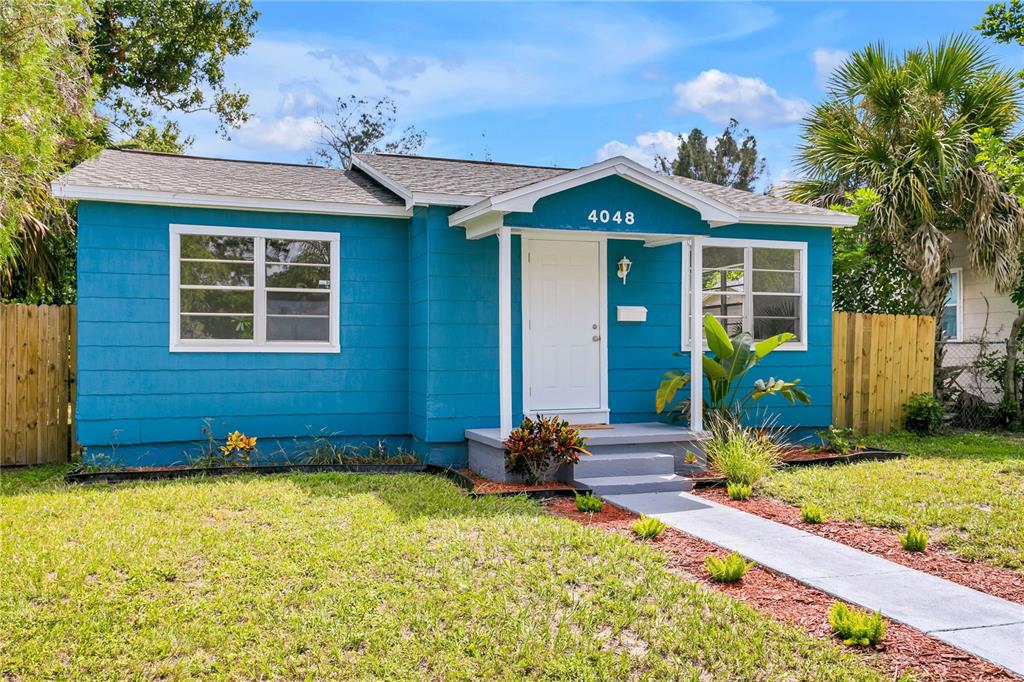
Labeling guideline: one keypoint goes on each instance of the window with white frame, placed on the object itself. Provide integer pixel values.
(950, 321)
(758, 287)
(241, 289)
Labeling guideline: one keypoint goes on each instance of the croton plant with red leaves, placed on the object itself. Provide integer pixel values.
(539, 446)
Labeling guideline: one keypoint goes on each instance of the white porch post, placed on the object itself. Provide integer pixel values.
(505, 330)
(696, 334)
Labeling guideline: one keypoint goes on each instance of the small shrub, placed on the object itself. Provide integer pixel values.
(856, 627)
(839, 441)
(738, 491)
(914, 540)
(648, 527)
(538, 446)
(740, 454)
(922, 415)
(727, 570)
(589, 503)
(811, 513)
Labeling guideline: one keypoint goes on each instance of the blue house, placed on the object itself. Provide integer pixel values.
(420, 300)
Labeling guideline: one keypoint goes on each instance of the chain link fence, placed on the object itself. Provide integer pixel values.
(971, 389)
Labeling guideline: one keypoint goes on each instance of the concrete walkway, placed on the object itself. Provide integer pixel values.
(986, 626)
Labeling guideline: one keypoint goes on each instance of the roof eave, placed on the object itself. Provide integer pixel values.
(63, 190)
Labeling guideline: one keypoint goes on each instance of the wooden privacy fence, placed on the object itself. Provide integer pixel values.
(878, 362)
(37, 371)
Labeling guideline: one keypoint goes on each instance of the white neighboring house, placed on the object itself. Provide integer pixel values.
(977, 319)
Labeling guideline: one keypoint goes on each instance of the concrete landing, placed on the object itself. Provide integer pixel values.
(983, 625)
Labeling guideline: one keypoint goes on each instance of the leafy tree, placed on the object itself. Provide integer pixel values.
(866, 275)
(727, 162)
(903, 126)
(168, 55)
(1004, 22)
(358, 125)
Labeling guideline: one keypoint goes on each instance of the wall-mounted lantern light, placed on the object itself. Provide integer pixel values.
(624, 265)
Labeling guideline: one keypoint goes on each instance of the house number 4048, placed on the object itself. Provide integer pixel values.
(606, 216)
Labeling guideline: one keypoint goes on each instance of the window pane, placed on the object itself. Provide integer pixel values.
(221, 248)
(954, 289)
(776, 259)
(290, 303)
(782, 282)
(299, 277)
(297, 251)
(723, 258)
(216, 327)
(298, 328)
(721, 305)
(723, 280)
(948, 322)
(776, 306)
(217, 274)
(215, 301)
(765, 327)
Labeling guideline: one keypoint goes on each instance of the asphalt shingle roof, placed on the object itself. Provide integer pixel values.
(150, 171)
(454, 176)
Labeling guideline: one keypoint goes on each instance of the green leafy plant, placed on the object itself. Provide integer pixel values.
(914, 540)
(839, 441)
(725, 368)
(648, 527)
(738, 491)
(922, 415)
(741, 454)
(811, 513)
(325, 448)
(589, 503)
(539, 446)
(856, 627)
(728, 570)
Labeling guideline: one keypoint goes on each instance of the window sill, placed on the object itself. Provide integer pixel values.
(325, 348)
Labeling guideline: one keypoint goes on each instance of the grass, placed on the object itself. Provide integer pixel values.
(966, 490)
(344, 576)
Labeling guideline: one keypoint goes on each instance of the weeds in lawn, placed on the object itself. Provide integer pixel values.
(324, 448)
(811, 513)
(856, 627)
(738, 491)
(589, 503)
(914, 540)
(839, 441)
(728, 570)
(648, 527)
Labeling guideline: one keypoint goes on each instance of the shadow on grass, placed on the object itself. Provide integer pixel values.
(992, 446)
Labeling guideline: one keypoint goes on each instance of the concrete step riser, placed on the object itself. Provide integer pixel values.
(598, 465)
(601, 490)
(666, 448)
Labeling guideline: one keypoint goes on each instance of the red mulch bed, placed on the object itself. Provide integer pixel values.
(483, 486)
(1004, 583)
(903, 648)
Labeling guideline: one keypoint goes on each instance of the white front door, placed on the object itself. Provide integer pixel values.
(563, 324)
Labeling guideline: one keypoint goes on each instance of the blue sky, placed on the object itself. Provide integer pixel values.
(561, 84)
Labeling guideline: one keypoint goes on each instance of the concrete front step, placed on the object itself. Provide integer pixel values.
(624, 464)
(627, 485)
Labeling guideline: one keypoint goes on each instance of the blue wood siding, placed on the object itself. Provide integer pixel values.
(132, 391)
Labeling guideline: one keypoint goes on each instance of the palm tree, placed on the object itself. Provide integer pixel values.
(902, 125)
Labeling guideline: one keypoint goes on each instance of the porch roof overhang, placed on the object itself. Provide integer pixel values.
(485, 217)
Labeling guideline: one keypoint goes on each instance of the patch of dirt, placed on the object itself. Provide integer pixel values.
(483, 486)
(1004, 583)
(902, 649)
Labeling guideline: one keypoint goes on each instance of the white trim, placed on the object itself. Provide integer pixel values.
(601, 414)
(137, 196)
(689, 281)
(711, 210)
(696, 332)
(959, 303)
(375, 174)
(442, 199)
(505, 331)
(258, 344)
(411, 197)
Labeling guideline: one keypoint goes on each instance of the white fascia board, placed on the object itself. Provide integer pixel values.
(135, 196)
(485, 226)
(795, 219)
(402, 191)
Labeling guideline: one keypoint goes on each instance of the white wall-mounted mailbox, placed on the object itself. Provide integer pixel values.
(631, 313)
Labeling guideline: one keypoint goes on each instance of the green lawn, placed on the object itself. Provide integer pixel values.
(346, 576)
(967, 489)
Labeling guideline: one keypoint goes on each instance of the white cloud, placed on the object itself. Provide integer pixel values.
(720, 96)
(648, 147)
(285, 134)
(825, 62)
